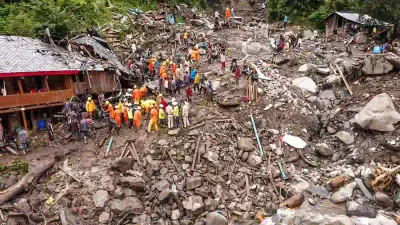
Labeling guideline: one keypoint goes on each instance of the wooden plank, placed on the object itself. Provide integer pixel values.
(345, 81)
(196, 151)
(70, 174)
(123, 151)
(11, 150)
(135, 153)
(24, 119)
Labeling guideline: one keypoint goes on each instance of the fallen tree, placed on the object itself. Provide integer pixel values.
(35, 172)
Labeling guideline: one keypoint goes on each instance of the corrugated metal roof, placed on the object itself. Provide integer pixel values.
(23, 54)
(363, 19)
(103, 52)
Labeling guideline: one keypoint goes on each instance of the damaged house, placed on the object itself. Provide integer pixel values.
(340, 23)
(37, 77)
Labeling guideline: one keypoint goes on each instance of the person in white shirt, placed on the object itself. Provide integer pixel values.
(216, 14)
(223, 61)
(170, 115)
(185, 114)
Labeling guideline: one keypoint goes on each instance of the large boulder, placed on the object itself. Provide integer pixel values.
(379, 114)
(308, 68)
(394, 60)
(215, 218)
(123, 164)
(305, 83)
(376, 65)
(360, 38)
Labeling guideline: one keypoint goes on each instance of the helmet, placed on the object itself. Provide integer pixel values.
(89, 98)
(107, 102)
(161, 106)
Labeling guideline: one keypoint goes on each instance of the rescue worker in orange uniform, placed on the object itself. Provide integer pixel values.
(126, 118)
(118, 119)
(109, 109)
(151, 64)
(143, 91)
(137, 118)
(136, 95)
(173, 67)
(154, 119)
(197, 55)
(228, 14)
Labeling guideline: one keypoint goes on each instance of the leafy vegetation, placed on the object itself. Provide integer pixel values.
(312, 12)
(66, 17)
(71, 17)
(16, 166)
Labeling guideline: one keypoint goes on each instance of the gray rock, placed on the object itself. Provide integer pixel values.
(100, 198)
(348, 66)
(323, 149)
(194, 182)
(305, 83)
(194, 132)
(318, 190)
(162, 185)
(22, 204)
(174, 132)
(345, 137)
(394, 60)
(69, 217)
(254, 160)
(123, 164)
(355, 209)
(175, 214)
(324, 71)
(163, 142)
(211, 157)
(379, 114)
(125, 205)
(363, 188)
(215, 218)
(187, 145)
(340, 220)
(308, 34)
(333, 80)
(327, 94)
(194, 205)
(164, 195)
(119, 193)
(281, 59)
(245, 144)
(245, 156)
(360, 38)
(142, 219)
(383, 200)
(210, 204)
(136, 183)
(104, 217)
(308, 68)
(376, 65)
(343, 193)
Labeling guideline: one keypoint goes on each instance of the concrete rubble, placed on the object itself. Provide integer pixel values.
(324, 159)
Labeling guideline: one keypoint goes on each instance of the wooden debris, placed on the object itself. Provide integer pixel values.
(29, 179)
(70, 174)
(196, 151)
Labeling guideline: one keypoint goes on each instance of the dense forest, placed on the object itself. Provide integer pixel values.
(70, 17)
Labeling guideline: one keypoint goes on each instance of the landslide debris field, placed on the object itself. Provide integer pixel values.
(338, 150)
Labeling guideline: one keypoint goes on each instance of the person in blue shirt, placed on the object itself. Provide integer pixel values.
(192, 75)
(285, 21)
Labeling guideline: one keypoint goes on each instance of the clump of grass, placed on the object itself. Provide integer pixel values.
(16, 166)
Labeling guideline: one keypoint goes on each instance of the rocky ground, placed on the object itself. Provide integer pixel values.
(338, 150)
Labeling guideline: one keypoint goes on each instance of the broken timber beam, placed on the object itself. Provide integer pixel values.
(260, 150)
(196, 151)
(344, 79)
(29, 179)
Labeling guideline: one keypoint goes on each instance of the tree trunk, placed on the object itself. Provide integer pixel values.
(35, 172)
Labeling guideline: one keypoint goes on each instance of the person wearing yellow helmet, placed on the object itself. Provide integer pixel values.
(90, 107)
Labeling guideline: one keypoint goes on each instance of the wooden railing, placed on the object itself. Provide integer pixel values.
(31, 99)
